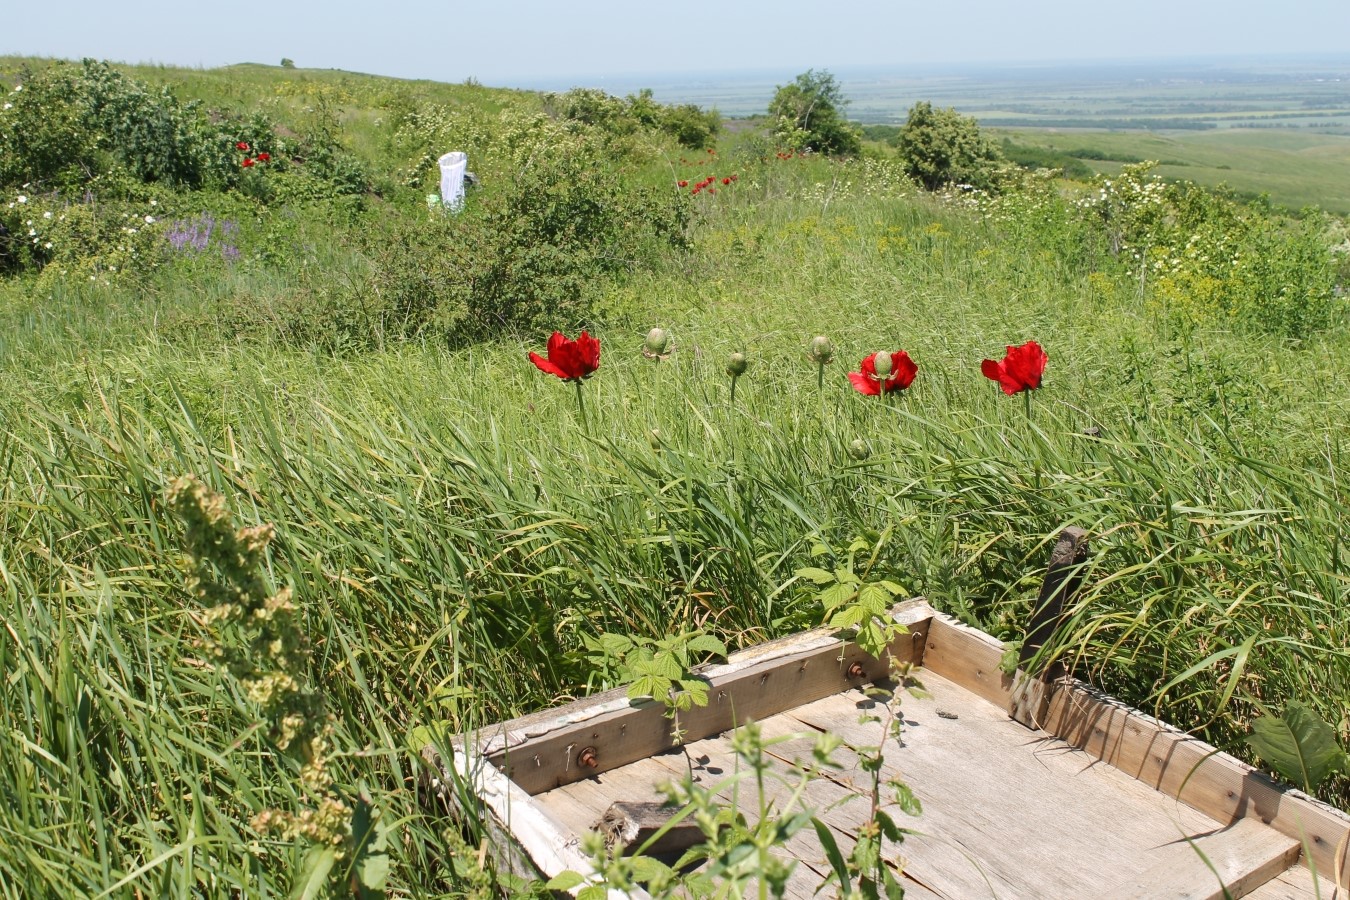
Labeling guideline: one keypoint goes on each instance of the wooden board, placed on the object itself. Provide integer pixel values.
(543, 751)
(1006, 813)
(1153, 752)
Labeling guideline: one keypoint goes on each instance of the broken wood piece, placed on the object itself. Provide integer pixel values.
(631, 825)
(1062, 580)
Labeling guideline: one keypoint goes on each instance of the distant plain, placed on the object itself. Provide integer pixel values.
(1273, 126)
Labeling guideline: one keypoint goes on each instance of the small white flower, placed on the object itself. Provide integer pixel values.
(154, 203)
(47, 214)
(17, 88)
(23, 199)
(149, 220)
(9, 106)
(32, 232)
(48, 245)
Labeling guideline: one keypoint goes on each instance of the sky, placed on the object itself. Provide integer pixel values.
(514, 43)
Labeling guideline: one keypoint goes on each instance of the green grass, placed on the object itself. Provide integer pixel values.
(453, 534)
(1296, 169)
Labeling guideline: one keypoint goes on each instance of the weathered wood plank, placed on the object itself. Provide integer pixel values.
(552, 846)
(969, 658)
(1296, 883)
(1006, 814)
(1243, 856)
(1063, 577)
(1204, 778)
(541, 752)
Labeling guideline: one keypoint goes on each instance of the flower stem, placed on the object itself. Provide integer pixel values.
(1026, 399)
(733, 389)
(581, 407)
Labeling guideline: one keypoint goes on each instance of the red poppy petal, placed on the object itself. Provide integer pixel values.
(546, 366)
(863, 384)
(905, 370)
(992, 370)
(588, 352)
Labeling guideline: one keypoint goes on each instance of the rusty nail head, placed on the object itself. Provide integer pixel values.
(587, 758)
(856, 671)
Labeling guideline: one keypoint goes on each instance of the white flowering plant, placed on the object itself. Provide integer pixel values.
(81, 238)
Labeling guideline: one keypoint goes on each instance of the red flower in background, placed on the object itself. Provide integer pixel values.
(241, 146)
(684, 184)
(903, 370)
(726, 181)
(1019, 370)
(568, 359)
(246, 162)
(264, 157)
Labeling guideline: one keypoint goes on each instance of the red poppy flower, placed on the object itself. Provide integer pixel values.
(1019, 370)
(683, 184)
(711, 150)
(241, 146)
(903, 370)
(246, 162)
(712, 190)
(733, 177)
(264, 157)
(568, 359)
(726, 181)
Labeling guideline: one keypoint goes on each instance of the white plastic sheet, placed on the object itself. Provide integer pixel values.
(453, 165)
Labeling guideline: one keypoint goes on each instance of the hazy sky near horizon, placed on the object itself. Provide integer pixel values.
(517, 42)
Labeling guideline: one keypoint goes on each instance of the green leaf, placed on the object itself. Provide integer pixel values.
(818, 576)
(906, 799)
(844, 576)
(374, 871)
(832, 853)
(874, 598)
(318, 864)
(848, 617)
(564, 881)
(836, 595)
(706, 643)
(1298, 745)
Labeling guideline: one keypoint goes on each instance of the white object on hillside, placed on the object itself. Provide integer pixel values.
(453, 165)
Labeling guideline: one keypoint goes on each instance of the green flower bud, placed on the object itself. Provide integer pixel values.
(859, 450)
(736, 364)
(657, 342)
(821, 350)
(654, 438)
(881, 363)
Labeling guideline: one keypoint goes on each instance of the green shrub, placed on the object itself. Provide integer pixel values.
(808, 115)
(941, 147)
(68, 123)
(526, 252)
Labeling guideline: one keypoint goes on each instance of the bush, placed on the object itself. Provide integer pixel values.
(808, 115)
(941, 147)
(527, 252)
(68, 124)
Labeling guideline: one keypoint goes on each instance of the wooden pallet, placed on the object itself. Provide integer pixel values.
(1030, 788)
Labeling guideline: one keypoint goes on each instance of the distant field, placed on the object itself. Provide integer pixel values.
(1295, 168)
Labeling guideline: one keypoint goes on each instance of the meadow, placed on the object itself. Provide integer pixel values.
(350, 367)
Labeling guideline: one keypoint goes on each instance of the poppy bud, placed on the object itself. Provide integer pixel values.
(881, 364)
(859, 450)
(736, 364)
(821, 350)
(654, 438)
(657, 341)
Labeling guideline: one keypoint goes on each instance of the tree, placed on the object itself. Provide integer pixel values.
(941, 146)
(808, 115)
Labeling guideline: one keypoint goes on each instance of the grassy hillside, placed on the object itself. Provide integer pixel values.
(349, 366)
